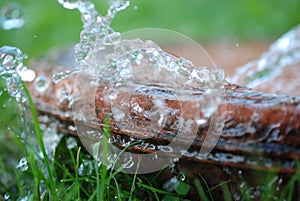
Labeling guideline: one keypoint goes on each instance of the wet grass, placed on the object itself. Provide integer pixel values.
(72, 174)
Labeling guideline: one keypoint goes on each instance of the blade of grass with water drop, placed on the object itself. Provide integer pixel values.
(38, 132)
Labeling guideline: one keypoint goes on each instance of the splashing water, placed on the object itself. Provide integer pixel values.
(96, 34)
(11, 16)
(138, 67)
(284, 52)
(13, 71)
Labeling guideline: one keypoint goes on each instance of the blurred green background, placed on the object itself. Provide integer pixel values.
(49, 25)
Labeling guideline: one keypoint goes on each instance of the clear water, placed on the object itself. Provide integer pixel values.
(13, 71)
(11, 16)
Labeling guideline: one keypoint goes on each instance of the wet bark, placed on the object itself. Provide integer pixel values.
(261, 131)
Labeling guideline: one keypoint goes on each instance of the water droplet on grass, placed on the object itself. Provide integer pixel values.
(11, 16)
(22, 165)
(26, 74)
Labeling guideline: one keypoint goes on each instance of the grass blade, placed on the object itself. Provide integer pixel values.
(40, 141)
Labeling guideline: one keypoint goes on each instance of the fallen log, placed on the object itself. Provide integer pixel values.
(261, 131)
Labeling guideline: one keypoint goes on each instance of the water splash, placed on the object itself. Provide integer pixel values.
(283, 52)
(96, 34)
(11, 16)
(139, 67)
(13, 71)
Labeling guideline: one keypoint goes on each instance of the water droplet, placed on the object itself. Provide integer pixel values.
(22, 165)
(41, 83)
(7, 196)
(171, 184)
(10, 63)
(71, 143)
(172, 168)
(69, 4)
(26, 198)
(66, 99)
(85, 168)
(201, 121)
(63, 75)
(127, 160)
(164, 148)
(26, 74)
(116, 6)
(181, 176)
(155, 157)
(11, 16)
(113, 95)
(72, 128)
